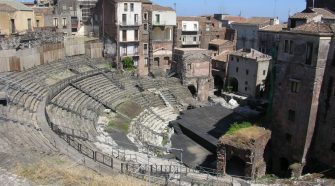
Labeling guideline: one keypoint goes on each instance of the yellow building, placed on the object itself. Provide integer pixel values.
(15, 17)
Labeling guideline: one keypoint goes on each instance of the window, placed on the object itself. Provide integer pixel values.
(291, 115)
(145, 16)
(145, 26)
(195, 39)
(309, 53)
(64, 22)
(124, 35)
(136, 19)
(145, 48)
(55, 22)
(136, 35)
(291, 47)
(286, 46)
(184, 27)
(288, 137)
(124, 50)
(236, 69)
(264, 72)
(29, 24)
(37, 23)
(232, 58)
(124, 19)
(295, 86)
(135, 50)
(146, 62)
(238, 59)
(195, 27)
(246, 89)
(132, 7)
(189, 66)
(332, 147)
(247, 72)
(125, 7)
(157, 18)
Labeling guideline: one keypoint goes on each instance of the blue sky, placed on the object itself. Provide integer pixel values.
(248, 8)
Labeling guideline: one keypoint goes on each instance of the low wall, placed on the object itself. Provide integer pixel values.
(19, 60)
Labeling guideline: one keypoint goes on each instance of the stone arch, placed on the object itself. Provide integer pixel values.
(236, 166)
(192, 89)
(233, 84)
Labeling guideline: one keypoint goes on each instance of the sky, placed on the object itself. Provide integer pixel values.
(247, 8)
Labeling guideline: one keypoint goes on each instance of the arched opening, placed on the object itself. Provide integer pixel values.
(156, 61)
(3, 102)
(235, 166)
(233, 85)
(218, 84)
(192, 89)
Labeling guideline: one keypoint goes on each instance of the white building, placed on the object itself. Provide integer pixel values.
(247, 72)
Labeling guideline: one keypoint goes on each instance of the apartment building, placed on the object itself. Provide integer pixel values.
(247, 31)
(15, 17)
(199, 31)
(140, 30)
(247, 72)
(300, 68)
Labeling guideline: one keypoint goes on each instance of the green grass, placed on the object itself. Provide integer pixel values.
(118, 123)
(237, 126)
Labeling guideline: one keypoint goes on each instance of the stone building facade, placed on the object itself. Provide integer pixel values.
(247, 72)
(193, 66)
(241, 153)
(302, 57)
(199, 31)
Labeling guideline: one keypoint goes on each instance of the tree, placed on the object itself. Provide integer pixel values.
(128, 63)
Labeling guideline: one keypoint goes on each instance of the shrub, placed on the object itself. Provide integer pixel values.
(237, 126)
(128, 63)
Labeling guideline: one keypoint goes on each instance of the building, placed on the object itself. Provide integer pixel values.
(15, 18)
(329, 4)
(140, 30)
(268, 38)
(227, 20)
(199, 31)
(163, 26)
(247, 31)
(300, 67)
(241, 153)
(220, 70)
(247, 72)
(311, 15)
(193, 66)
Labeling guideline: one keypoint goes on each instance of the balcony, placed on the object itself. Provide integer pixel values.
(190, 40)
(125, 23)
(130, 54)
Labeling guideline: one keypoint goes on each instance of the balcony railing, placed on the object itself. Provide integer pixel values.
(130, 54)
(125, 23)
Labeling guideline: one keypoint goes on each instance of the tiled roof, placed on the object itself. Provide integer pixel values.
(16, 5)
(223, 56)
(6, 8)
(219, 42)
(161, 8)
(314, 12)
(251, 54)
(255, 21)
(234, 18)
(313, 27)
(274, 28)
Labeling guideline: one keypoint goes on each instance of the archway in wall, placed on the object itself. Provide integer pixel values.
(233, 85)
(192, 89)
(235, 166)
(156, 61)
